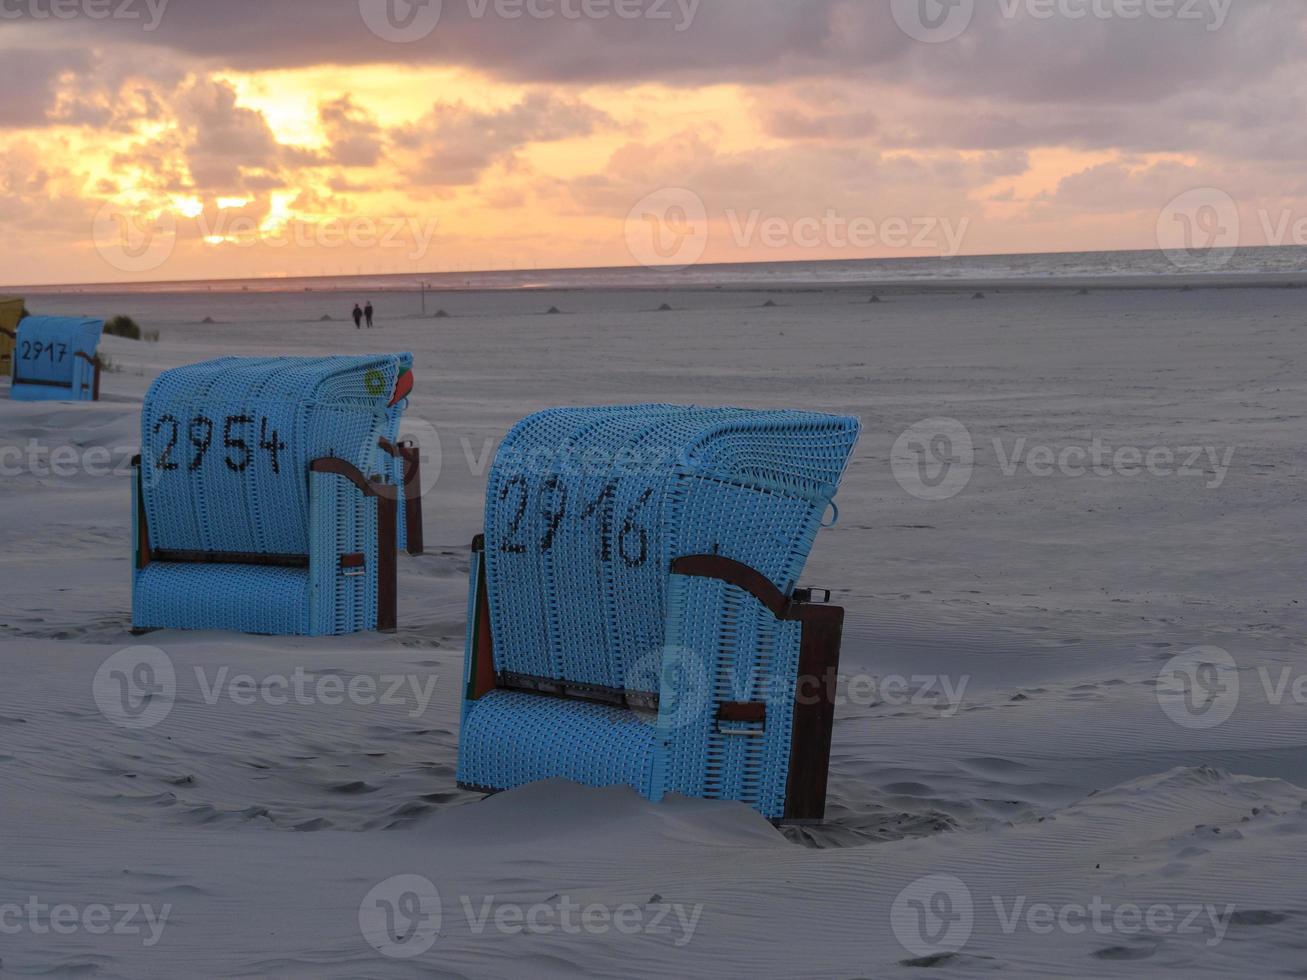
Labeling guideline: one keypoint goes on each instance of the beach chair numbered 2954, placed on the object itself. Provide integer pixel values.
(633, 617)
(272, 495)
(55, 359)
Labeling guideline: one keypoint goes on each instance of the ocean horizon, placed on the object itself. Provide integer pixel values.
(1018, 267)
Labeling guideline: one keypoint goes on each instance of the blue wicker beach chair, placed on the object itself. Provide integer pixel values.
(269, 493)
(54, 359)
(633, 617)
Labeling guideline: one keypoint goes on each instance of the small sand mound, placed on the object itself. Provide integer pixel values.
(1083, 292)
(769, 304)
(440, 315)
(978, 296)
(875, 298)
(665, 308)
(325, 318)
(208, 319)
(553, 311)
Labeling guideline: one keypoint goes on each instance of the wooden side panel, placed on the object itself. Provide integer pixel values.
(482, 679)
(814, 691)
(814, 713)
(387, 566)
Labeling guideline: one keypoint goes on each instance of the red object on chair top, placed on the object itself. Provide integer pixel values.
(403, 385)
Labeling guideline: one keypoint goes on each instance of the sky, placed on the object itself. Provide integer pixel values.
(148, 140)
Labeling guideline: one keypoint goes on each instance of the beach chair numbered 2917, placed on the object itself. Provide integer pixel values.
(54, 359)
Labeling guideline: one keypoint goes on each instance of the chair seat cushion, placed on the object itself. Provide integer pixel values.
(511, 738)
(244, 598)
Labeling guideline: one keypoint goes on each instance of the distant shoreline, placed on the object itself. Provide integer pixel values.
(1248, 267)
(1112, 283)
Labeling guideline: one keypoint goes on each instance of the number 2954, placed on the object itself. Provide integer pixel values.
(243, 439)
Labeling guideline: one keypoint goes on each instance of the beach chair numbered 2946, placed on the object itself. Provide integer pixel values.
(633, 617)
(272, 494)
(55, 359)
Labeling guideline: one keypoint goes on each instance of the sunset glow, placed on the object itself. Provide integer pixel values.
(343, 152)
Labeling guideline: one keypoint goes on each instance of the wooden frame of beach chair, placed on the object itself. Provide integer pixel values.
(409, 458)
(731, 693)
(7, 340)
(12, 309)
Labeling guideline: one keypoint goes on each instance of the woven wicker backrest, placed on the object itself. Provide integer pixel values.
(226, 445)
(587, 507)
(47, 347)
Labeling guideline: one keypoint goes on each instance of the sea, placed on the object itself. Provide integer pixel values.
(1266, 261)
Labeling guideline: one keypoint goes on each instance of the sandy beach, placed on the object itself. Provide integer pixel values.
(1007, 736)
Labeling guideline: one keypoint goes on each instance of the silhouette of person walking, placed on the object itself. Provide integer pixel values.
(367, 312)
(358, 316)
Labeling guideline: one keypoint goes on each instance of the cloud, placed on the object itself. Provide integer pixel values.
(226, 144)
(31, 84)
(796, 125)
(353, 134)
(693, 38)
(454, 144)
